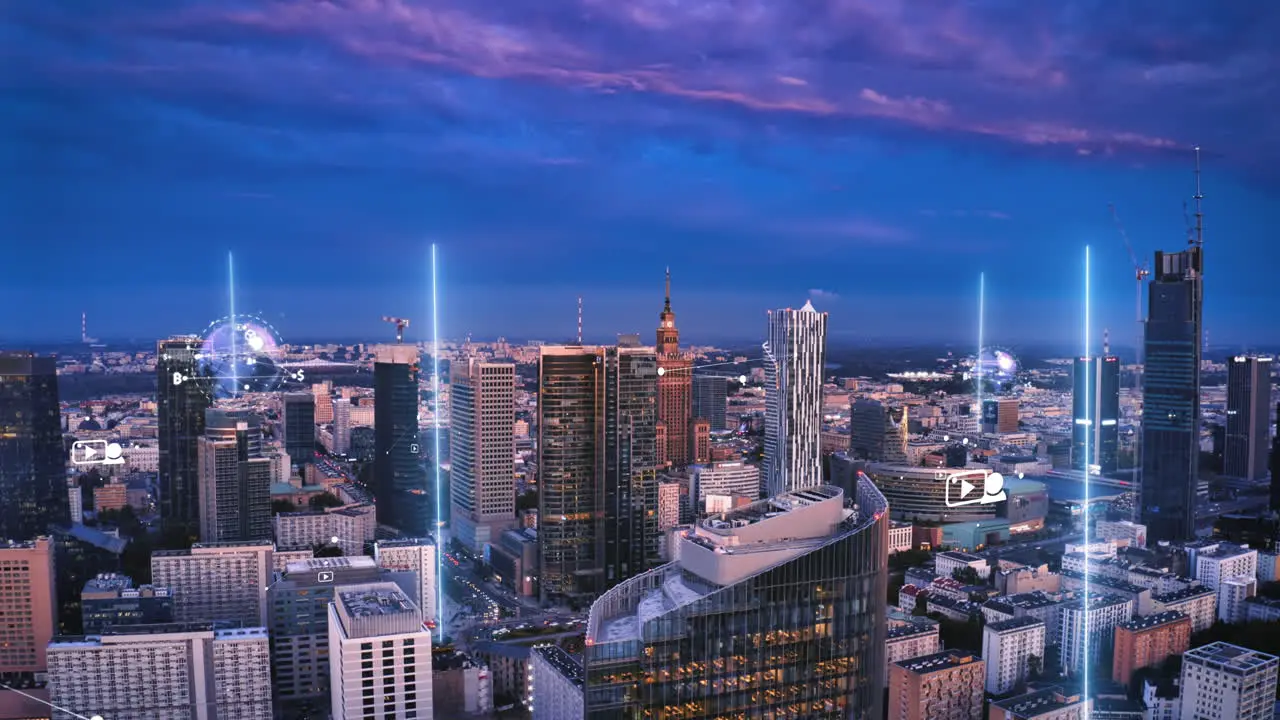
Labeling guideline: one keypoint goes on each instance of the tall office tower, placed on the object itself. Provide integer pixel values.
(323, 394)
(217, 581)
(1171, 396)
(711, 400)
(945, 685)
(482, 417)
(675, 385)
(796, 581)
(1006, 647)
(299, 411)
(33, 481)
(870, 430)
(1275, 464)
(416, 555)
(299, 621)
(400, 482)
(180, 670)
(1000, 416)
(182, 396)
(341, 426)
(235, 478)
(794, 364)
(699, 441)
(597, 452)
(1248, 421)
(1095, 410)
(1221, 681)
(379, 655)
(110, 600)
(27, 603)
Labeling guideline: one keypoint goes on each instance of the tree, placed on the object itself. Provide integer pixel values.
(324, 500)
(1035, 666)
(282, 506)
(323, 550)
(904, 559)
(967, 575)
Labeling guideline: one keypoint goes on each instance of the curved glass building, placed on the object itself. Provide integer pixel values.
(774, 609)
(933, 494)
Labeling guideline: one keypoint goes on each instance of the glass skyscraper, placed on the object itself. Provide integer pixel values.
(182, 396)
(773, 609)
(710, 400)
(1095, 413)
(794, 366)
(33, 484)
(1248, 417)
(404, 499)
(299, 410)
(1171, 396)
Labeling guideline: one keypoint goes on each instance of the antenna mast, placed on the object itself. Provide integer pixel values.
(579, 319)
(1199, 240)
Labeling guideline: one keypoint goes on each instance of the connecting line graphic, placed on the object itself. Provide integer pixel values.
(231, 293)
(59, 708)
(690, 369)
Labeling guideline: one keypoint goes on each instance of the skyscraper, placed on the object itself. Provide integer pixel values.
(773, 609)
(1171, 396)
(794, 363)
(182, 396)
(404, 498)
(878, 433)
(597, 451)
(33, 485)
(710, 399)
(675, 385)
(299, 410)
(1095, 403)
(378, 615)
(1248, 417)
(1275, 464)
(482, 416)
(234, 478)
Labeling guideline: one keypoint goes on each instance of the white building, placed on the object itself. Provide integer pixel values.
(910, 640)
(1268, 567)
(353, 525)
(1117, 531)
(482, 446)
(794, 365)
(899, 536)
(283, 555)
(1006, 646)
(341, 426)
(556, 692)
(1197, 602)
(1222, 561)
(192, 672)
(379, 655)
(723, 479)
(1227, 682)
(216, 581)
(1161, 699)
(947, 563)
(416, 555)
(1232, 594)
(1088, 636)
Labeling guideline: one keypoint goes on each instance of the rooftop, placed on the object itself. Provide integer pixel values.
(1104, 581)
(911, 630)
(108, 582)
(1224, 551)
(944, 660)
(1229, 658)
(355, 562)
(1096, 602)
(1183, 594)
(375, 601)
(405, 542)
(1038, 703)
(1146, 622)
(1017, 623)
(567, 665)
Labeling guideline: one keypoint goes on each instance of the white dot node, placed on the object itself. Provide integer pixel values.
(662, 371)
(334, 539)
(742, 379)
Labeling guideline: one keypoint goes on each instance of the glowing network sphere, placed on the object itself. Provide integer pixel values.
(241, 356)
(998, 366)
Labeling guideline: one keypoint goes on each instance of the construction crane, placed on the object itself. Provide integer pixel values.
(1140, 270)
(400, 323)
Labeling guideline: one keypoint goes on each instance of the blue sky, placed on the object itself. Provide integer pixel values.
(873, 155)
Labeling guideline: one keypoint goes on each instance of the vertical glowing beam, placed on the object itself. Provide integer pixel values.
(231, 292)
(977, 366)
(1090, 369)
(435, 412)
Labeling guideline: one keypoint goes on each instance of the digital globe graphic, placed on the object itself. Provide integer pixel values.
(241, 356)
(997, 366)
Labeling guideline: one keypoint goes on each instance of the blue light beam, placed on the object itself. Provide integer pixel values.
(1088, 414)
(977, 366)
(231, 293)
(435, 400)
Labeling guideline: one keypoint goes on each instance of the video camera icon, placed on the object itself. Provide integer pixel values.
(961, 485)
(96, 452)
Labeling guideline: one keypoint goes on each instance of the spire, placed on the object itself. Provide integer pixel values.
(667, 306)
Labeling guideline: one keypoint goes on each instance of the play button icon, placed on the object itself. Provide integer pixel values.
(89, 452)
(966, 487)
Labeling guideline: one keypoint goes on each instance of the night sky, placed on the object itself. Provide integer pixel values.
(875, 156)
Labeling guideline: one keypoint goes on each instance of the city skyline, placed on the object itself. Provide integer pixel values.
(849, 155)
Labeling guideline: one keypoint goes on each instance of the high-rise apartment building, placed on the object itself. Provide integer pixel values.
(1221, 681)
(1000, 416)
(217, 581)
(181, 670)
(341, 426)
(796, 582)
(183, 393)
(1147, 641)
(1248, 417)
(404, 497)
(876, 432)
(1171, 396)
(299, 413)
(418, 556)
(1275, 464)
(945, 685)
(1088, 631)
(597, 454)
(557, 678)
(323, 394)
(711, 400)
(109, 601)
(794, 365)
(482, 416)
(234, 478)
(33, 483)
(675, 386)
(379, 655)
(28, 604)
(1095, 414)
(1007, 646)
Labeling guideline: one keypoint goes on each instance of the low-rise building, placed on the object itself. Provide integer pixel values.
(945, 685)
(461, 684)
(899, 536)
(947, 563)
(1048, 704)
(111, 600)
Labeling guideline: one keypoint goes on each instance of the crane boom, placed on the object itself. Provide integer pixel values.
(400, 323)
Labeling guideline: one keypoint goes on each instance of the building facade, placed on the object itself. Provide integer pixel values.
(33, 482)
(1221, 681)
(379, 655)
(482, 450)
(110, 600)
(794, 365)
(711, 400)
(234, 478)
(216, 581)
(716, 633)
(1248, 417)
(299, 412)
(28, 604)
(416, 555)
(1088, 630)
(183, 393)
(1007, 648)
(1095, 414)
(945, 685)
(557, 683)
(1147, 641)
(404, 496)
(675, 386)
